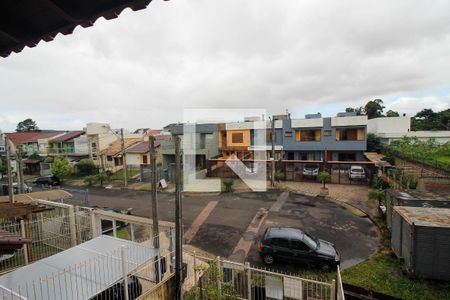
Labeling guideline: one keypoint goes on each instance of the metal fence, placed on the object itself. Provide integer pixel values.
(123, 273)
(241, 281)
(50, 232)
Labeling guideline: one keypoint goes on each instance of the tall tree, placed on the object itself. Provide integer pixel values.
(27, 125)
(357, 110)
(427, 119)
(391, 113)
(374, 109)
(61, 167)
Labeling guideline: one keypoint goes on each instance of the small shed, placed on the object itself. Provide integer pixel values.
(421, 237)
(412, 198)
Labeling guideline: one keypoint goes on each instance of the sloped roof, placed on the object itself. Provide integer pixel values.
(26, 23)
(68, 136)
(18, 138)
(142, 147)
(152, 132)
(115, 147)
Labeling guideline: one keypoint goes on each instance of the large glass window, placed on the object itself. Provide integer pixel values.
(350, 134)
(307, 135)
(237, 138)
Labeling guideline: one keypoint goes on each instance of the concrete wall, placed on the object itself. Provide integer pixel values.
(389, 125)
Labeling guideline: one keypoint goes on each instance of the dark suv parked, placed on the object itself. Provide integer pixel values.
(47, 180)
(296, 246)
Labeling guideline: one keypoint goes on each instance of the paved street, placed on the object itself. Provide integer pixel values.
(219, 227)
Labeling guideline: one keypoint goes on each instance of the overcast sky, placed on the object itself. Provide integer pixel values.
(144, 68)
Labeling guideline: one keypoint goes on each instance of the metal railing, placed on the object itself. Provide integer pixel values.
(233, 280)
(339, 288)
(123, 273)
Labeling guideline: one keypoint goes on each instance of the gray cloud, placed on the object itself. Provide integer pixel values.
(143, 68)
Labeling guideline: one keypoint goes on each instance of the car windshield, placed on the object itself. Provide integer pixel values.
(310, 241)
(357, 170)
(311, 167)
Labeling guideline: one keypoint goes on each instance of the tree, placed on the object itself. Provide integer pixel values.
(357, 110)
(374, 108)
(324, 177)
(373, 143)
(61, 168)
(103, 177)
(427, 119)
(27, 125)
(86, 167)
(391, 113)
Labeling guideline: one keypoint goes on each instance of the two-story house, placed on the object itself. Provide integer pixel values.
(340, 138)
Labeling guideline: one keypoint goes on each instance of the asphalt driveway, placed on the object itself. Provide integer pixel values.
(221, 229)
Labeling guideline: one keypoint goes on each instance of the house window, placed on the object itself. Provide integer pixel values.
(327, 132)
(2, 148)
(307, 135)
(350, 134)
(237, 138)
(288, 133)
(269, 136)
(109, 158)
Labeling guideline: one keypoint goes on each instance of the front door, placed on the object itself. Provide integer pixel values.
(144, 159)
(329, 156)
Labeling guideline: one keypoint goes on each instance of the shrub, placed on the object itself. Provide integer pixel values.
(48, 160)
(380, 183)
(86, 167)
(102, 177)
(90, 180)
(279, 175)
(228, 183)
(377, 194)
(324, 177)
(36, 156)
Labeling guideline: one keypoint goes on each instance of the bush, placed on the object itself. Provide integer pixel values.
(379, 195)
(228, 183)
(86, 167)
(279, 175)
(61, 168)
(90, 180)
(380, 183)
(36, 156)
(103, 177)
(324, 177)
(48, 160)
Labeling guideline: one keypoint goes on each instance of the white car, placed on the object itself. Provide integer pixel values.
(310, 170)
(26, 188)
(356, 172)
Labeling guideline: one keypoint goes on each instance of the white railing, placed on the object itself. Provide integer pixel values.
(241, 281)
(339, 288)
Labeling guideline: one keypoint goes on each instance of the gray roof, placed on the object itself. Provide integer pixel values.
(87, 269)
(425, 216)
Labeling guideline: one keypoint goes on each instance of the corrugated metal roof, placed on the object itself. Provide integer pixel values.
(424, 216)
(100, 254)
(26, 23)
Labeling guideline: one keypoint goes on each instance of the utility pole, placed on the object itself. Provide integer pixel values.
(8, 166)
(178, 224)
(152, 151)
(124, 159)
(272, 179)
(21, 179)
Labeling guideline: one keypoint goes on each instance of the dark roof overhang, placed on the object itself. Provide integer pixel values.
(27, 22)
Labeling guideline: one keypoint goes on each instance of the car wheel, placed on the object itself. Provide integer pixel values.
(269, 259)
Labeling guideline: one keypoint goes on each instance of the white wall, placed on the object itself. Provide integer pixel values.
(81, 145)
(299, 123)
(349, 121)
(133, 159)
(389, 125)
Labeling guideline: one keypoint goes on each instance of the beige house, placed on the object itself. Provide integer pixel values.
(138, 154)
(111, 158)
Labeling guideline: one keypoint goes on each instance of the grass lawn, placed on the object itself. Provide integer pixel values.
(122, 233)
(119, 174)
(382, 273)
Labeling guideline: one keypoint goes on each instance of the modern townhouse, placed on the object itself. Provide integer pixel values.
(29, 141)
(99, 137)
(340, 138)
(72, 144)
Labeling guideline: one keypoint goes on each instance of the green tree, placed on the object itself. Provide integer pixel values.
(358, 110)
(35, 156)
(427, 119)
(391, 113)
(103, 177)
(86, 167)
(324, 177)
(27, 125)
(61, 168)
(374, 108)
(90, 180)
(228, 184)
(373, 143)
